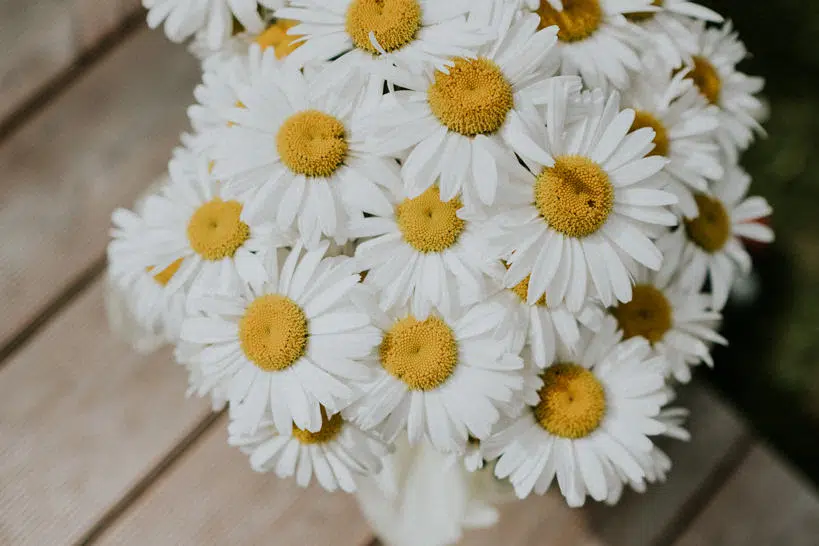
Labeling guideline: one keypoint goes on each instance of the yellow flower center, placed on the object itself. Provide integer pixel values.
(574, 196)
(473, 99)
(312, 143)
(216, 231)
(572, 401)
(648, 314)
(712, 228)
(164, 277)
(276, 36)
(706, 78)
(645, 119)
(330, 428)
(521, 290)
(422, 354)
(429, 224)
(273, 332)
(640, 16)
(394, 23)
(578, 20)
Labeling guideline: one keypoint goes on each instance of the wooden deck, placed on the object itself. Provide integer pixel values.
(99, 446)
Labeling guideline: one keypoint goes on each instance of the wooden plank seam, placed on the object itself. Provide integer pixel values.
(64, 79)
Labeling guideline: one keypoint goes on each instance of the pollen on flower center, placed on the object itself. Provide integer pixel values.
(330, 428)
(640, 16)
(216, 231)
(473, 99)
(429, 224)
(394, 23)
(645, 119)
(312, 143)
(273, 332)
(706, 78)
(164, 277)
(574, 196)
(422, 354)
(276, 36)
(572, 401)
(648, 314)
(712, 228)
(578, 20)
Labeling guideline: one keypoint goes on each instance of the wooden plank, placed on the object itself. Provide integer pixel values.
(645, 519)
(213, 497)
(93, 19)
(83, 419)
(41, 38)
(764, 503)
(91, 150)
(536, 520)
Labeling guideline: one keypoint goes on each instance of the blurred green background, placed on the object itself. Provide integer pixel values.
(771, 369)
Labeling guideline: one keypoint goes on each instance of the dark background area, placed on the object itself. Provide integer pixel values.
(771, 369)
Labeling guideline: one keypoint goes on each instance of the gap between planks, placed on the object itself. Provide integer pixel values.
(137, 491)
(65, 78)
(39, 100)
(716, 480)
(94, 148)
(60, 301)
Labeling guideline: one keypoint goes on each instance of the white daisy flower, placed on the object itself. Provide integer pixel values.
(139, 309)
(288, 347)
(593, 412)
(656, 463)
(710, 246)
(199, 384)
(149, 312)
(595, 40)
(713, 70)
(578, 226)
(668, 31)
(441, 377)
(302, 152)
(461, 126)
(223, 73)
(541, 326)
(684, 125)
(676, 321)
(423, 251)
(274, 35)
(336, 454)
(183, 18)
(216, 98)
(216, 238)
(418, 35)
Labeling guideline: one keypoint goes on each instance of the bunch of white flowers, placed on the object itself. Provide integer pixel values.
(502, 228)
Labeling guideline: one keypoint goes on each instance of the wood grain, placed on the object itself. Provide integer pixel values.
(645, 519)
(41, 38)
(91, 150)
(213, 497)
(82, 419)
(766, 503)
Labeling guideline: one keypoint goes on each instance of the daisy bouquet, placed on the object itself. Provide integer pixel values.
(486, 236)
